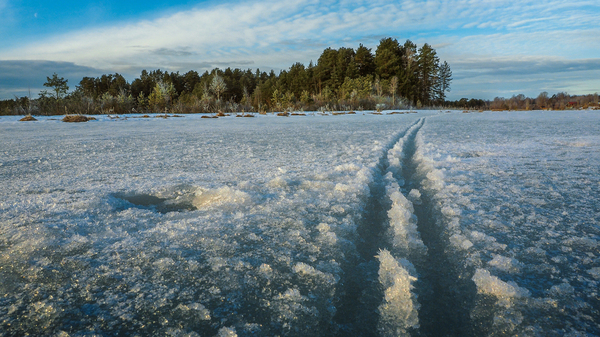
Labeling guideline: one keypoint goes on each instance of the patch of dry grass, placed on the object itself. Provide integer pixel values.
(77, 119)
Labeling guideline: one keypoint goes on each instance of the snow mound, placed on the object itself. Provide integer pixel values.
(506, 264)
(492, 285)
(215, 197)
(399, 310)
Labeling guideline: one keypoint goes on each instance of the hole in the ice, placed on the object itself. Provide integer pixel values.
(161, 205)
(145, 200)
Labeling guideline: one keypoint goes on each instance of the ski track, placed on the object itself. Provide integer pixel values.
(361, 283)
(446, 295)
(405, 280)
(424, 283)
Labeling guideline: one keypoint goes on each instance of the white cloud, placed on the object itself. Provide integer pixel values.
(276, 34)
(231, 30)
(221, 31)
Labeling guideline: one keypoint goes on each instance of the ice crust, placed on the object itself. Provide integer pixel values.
(518, 191)
(492, 285)
(181, 227)
(399, 310)
(249, 228)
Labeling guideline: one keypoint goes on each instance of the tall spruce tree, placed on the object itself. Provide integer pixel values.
(444, 79)
(428, 64)
(364, 61)
(345, 67)
(325, 68)
(408, 79)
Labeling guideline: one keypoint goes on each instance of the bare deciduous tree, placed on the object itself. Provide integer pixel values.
(217, 86)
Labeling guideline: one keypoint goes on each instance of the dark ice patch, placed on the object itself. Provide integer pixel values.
(155, 203)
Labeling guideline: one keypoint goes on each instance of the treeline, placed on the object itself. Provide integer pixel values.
(394, 76)
(560, 101)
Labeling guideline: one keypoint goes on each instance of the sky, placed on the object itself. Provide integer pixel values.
(495, 48)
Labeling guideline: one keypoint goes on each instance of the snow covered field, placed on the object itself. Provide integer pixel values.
(357, 225)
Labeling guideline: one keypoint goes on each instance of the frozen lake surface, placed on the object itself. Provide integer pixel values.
(426, 224)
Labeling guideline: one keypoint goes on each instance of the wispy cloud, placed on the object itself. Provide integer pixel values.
(253, 28)
(510, 75)
(525, 66)
(276, 34)
(173, 52)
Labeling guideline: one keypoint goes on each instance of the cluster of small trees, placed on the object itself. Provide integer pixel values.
(560, 101)
(395, 75)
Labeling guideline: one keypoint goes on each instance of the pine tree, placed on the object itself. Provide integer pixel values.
(59, 86)
(325, 69)
(364, 61)
(428, 64)
(444, 79)
(388, 57)
(408, 79)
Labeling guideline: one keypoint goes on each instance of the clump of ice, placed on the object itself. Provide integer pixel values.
(435, 178)
(308, 271)
(214, 197)
(506, 264)
(266, 270)
(595, 272)
(395, 156)
(415, 196)
(581, 242)
(278, 182)
(403, 230)
(326, 236)
(194, 311)
(491, 285)
(562, 290)
(289, 310)
(347, 168)
(217, 263)
(399, 310)
(164, 264)
(486, 241)
(535, 252)
(227, 332)
(460, 241)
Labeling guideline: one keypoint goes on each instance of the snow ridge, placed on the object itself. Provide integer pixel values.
(380, 282)
(429, 246)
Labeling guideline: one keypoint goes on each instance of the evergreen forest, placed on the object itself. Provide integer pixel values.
(393, 76)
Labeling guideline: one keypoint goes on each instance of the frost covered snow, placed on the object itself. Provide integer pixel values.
(357, 225)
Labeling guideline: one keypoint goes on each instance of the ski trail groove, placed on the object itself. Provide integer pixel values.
(357, 313)
(444, 297)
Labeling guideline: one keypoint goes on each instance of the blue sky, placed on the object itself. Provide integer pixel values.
(494, 47)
